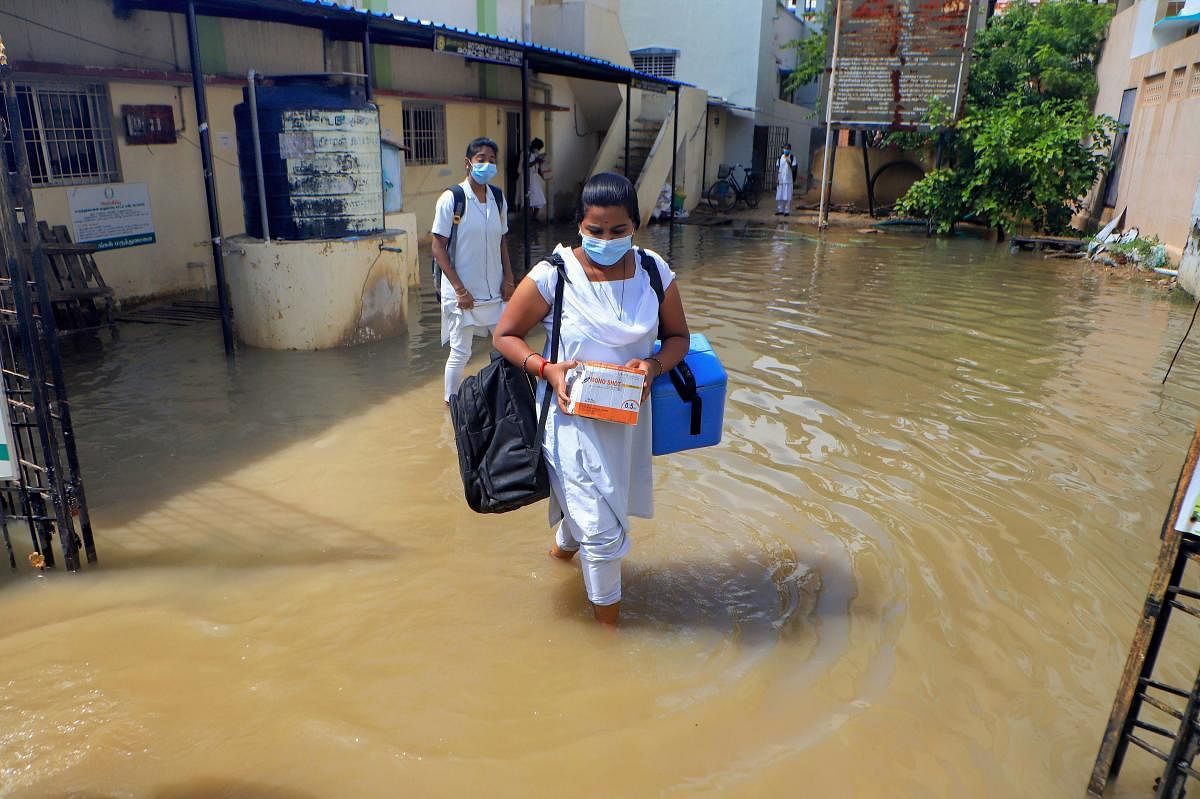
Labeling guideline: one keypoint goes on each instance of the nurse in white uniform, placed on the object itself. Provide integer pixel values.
(783, 191)
(477, 278)
(600, 472)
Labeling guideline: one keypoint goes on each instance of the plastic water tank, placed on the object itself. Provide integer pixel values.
(322, 167)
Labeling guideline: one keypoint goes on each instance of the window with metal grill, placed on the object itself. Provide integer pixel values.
(1178, 79)
(1194, 90)
(68, 133)
(661, 66)
(1152, 89)
(425, 132)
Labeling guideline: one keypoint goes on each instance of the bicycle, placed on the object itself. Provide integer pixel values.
(727, 191)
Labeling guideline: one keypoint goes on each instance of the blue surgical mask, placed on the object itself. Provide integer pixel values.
(606, 252)
(483, 173)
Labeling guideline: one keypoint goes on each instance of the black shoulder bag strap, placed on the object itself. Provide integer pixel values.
(681, 376)
(460, 207)
(651, 267)
(555, 335)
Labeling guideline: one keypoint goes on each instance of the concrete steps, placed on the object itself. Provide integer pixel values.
(642, 135)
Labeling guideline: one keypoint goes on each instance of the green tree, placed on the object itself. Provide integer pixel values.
(812, 53)
(1027, 147)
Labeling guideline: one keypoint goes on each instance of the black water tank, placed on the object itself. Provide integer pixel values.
(322, 163)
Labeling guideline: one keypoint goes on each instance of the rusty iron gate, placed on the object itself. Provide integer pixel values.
(46, 492)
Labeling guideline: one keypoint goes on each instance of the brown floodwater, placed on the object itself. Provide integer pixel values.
(912, 569)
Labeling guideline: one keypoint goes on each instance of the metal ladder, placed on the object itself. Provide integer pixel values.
(46, 493)
(1138, 688)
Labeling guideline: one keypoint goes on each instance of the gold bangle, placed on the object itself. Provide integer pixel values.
(660, 366)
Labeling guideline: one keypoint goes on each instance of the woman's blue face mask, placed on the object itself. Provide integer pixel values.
(483, 173)
(606, 252)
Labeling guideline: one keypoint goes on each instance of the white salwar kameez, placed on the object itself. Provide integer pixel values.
(783, 191)
(600, 472)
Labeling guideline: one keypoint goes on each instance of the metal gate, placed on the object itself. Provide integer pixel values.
(45, 491)
(777, 136)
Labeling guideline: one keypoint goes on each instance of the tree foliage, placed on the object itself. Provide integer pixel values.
(812, 53)
(1028, 146)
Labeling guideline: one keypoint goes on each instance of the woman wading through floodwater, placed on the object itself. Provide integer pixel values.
(600, 472)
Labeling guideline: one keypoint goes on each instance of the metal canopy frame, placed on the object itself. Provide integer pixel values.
(377, 28)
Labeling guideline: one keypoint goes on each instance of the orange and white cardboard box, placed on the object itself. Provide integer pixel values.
(606, 392)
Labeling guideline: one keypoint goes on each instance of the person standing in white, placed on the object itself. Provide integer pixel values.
(477, 277)
(787, 171)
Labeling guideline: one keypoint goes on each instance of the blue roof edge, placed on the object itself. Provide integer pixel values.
(531, 46)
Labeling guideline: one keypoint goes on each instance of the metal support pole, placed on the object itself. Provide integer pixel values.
(867, 176)
(704, 167)
(674, 150)
(525, 138)
(368, 65)
(628, 122)
(252, 81)
(210, 184)
(827, 161)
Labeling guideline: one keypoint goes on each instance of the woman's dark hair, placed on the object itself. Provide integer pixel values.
(609, 190)
(478, 144)
(537, 144)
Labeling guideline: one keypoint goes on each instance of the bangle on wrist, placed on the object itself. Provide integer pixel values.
(542, 371)
(660, 366)
(525, 363)
(461, 292)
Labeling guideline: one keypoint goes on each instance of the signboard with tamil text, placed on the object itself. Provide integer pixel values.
(112, 216)
(897, 57)
(480, 51)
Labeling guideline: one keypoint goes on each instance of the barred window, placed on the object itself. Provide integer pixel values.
(425, 132)
(68, 133)
(1178, 80)
(1152, 88)
(659, 65)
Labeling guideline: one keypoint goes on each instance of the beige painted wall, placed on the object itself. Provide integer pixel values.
(1161, 164)
(849, 182)
(1162, 156)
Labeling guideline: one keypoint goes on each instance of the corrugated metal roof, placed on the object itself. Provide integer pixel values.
(349, 23)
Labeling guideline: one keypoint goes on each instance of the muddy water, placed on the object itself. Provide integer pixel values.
(912, 569)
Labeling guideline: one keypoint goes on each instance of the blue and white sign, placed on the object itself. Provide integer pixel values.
(112, 216)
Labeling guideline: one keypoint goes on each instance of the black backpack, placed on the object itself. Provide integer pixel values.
(498, 430)
(460, 207)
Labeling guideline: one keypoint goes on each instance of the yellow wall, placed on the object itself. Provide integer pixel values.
(174, 178)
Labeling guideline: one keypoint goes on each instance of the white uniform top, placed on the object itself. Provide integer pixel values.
(600, 471)
(476, 256)
(783, 188)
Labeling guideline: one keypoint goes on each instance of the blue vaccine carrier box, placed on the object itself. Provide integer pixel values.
(688, 403)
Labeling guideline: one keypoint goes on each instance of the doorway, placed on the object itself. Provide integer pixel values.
(512, 157)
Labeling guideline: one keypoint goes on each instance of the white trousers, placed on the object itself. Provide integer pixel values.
(461, 337)
(599, 558)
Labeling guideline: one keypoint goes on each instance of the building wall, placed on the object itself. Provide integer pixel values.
(155, 43)
(718, 41)
(734, 49)
(1161, 162)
